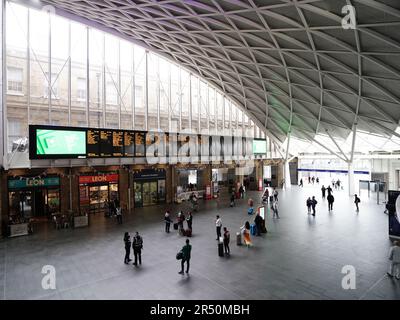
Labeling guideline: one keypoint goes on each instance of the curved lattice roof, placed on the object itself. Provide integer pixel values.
(289, 63)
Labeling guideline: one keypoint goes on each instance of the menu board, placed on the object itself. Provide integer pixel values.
(106, 143)
(139, 144)
(129, 144)
(118, 143)
(93, 143)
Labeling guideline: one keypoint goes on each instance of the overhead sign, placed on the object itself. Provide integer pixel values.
(259, 146)
(33, 182)
(99, 178)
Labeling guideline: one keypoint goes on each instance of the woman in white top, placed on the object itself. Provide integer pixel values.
(394, 257)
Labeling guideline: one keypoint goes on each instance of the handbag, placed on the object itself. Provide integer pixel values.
(179, 255)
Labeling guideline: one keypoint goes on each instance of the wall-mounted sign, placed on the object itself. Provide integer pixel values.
(33, 182)
(149, 174)
(99, 178)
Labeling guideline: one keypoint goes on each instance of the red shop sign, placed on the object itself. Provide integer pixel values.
(99, 178)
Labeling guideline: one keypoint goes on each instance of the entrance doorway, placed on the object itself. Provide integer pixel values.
(146, 193)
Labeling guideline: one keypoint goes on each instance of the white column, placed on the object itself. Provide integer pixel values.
(351, 179)
(286, 175)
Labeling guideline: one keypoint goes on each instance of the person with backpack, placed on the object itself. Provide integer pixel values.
(313, 204)
(167, 219)
(357, 201)
(137, 246)
(186, 253)
(331, 199)
(227, 238)
(127, 242)
(308, 203)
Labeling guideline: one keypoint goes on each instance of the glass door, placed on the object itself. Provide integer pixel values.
(137, 187)
(146, 194)
(153, 193)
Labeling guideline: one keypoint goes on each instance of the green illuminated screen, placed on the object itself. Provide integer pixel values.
(60, 142)
(259, 146)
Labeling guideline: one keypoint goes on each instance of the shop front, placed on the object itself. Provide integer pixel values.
(97, 191)
(31, 200)
(189, 180)
(149, 187)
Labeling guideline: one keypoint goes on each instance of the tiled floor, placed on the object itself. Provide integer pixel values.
(301, 257)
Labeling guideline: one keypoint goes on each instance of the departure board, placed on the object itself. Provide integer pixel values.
(140, 144)
(129, 144)
(118, 143)
(106, 143)
(93, 143)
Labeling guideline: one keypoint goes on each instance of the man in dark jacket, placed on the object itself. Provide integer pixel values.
(186, 250)
(189, 220)
(127, 241)
(137, 246)
(313, 204)
(330, 202)
(258, 223)
(323, 189)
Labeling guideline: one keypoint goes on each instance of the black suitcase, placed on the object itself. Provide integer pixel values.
(175, 226)
(221, 249)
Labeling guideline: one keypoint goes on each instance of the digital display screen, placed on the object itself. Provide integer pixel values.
(259, 146)
(129, 144)
(106, 143)
(60, 142)
(140, 144)
(118, 143)
(93, 143)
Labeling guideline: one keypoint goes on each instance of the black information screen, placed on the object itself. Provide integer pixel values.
(93, 143)
(106, 143)
(118, 143)
(129, 143)
(140, 144)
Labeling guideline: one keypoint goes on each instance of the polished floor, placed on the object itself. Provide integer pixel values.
(301, 257)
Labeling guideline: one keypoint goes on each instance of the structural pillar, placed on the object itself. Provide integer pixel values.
(351, 179)
(286, 174)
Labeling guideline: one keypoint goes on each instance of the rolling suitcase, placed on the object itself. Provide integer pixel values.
(220, 249)
(188, 232)
(238, 238)
(253, 229)
(175, 226)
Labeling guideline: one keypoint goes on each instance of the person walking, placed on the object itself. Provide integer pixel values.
(313, 204)
(241, 191)
(275, 195)
(301, 183)
(167, 219)
(394, 258)
(127, 242)
(227, 238)
(218, 225)
(275, 209)
(137, 246)
(323, 189)
(232, 199)
(181, 218)
(309, 203)
(357, 201)
(331, 199)
(189, 220)
(329, 190)
(119, 215)
(258, 223)
(186, 253)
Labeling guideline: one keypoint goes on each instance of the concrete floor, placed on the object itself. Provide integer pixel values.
(301, 257)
